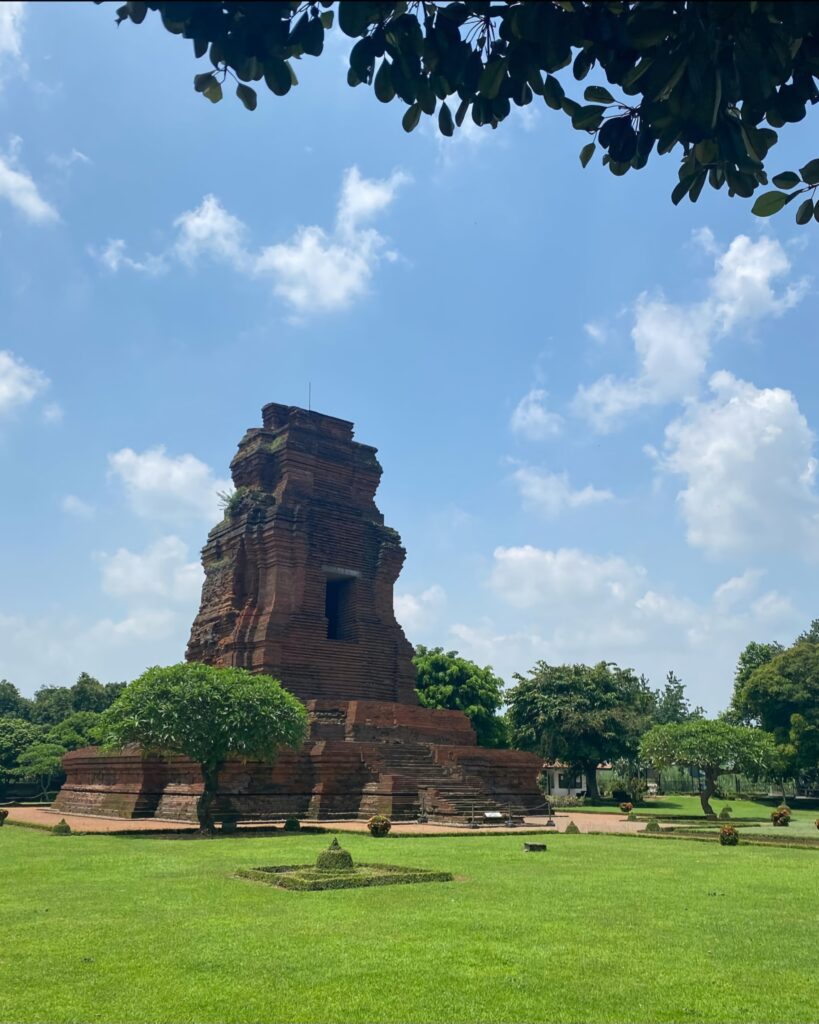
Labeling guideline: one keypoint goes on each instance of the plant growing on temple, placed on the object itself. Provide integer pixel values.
(714, 747)
(208, 715)
(580, 714)
(707, 82)
(379, 825)
(445, 680)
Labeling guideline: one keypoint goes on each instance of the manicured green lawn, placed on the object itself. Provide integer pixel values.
(668, 806)
(603, 928)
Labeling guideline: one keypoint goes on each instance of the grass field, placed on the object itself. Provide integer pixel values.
(604, 928)
(668, 806)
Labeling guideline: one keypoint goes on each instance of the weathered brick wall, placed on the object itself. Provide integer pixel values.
(304, 515)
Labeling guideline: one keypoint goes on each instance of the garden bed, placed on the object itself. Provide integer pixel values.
(307, 878)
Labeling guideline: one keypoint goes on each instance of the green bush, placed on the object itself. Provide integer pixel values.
(62, 828)
(571, 829)
(379, 825)
(292, 824)
(725, 813)
(653, 825)
(781, 816)
(306, 879)
(4, 814)
(728, 836)
(334, 858)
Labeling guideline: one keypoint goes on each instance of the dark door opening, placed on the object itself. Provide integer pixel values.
(339, 608)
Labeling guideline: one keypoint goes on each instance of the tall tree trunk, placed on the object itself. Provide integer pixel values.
(707, 793)
(593, 793)
(204, 805)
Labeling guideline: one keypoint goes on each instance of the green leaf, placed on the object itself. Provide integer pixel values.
(810, 172)
(597, 94)
(588, 118)
(247, 96)
(586, 153)
(681, 189)
(786, 180)
(570, 107)
(491, 78)
(445, 122)
(362, 59)
(353, 17)
(201, 82)
(277, 76)
(553, 93)
(411, 118)
(769, 203)
(326, 18)
(382, 84)
(213, 91)
(461, 112)
(200, 47)
(805, 212)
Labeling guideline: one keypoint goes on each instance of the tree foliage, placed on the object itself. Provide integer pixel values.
(12, 703)
(580, 714)
(16, 735)
(671, 703)
(782, 695)
(41, 762)
(209, 715)
(445, 680)
(714, 747)
(707, 81)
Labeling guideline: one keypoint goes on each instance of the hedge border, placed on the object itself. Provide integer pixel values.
(287, 877)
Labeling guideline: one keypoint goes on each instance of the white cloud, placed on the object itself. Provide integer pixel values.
(569, 605)
(19, 383)
(63, 163)
(161, 571)
(533, 420)
(673, 342)
(165, 487)
(75, 506)
(316, 271)
(749, 469)
(551, 493)
(321, 272)
(210, 230)
(53, 413)
(11, 32)
(114, 257)
(19, 189)
(415, 612)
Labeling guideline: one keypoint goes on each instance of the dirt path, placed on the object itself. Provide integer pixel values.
(90, 823)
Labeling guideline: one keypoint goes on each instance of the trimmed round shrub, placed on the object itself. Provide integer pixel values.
(652, 825)
(572, 829)
(379, 825)
(632, 816)
(725, 813)
(334, 858)
(4, 814)
(292, 824)
(781, 816)
(626, 807)
(62, 828)
(728, 836)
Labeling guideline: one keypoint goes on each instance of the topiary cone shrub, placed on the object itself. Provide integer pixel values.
(62, 828)
(292, 824)
(334, 858)
(626, 807)
(4, 814)
(571, 829)
(653, 825)
(379, 825)
(781, 816)
(725, 813)
(728, 836)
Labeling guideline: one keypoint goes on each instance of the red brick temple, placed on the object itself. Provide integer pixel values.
(299, 580)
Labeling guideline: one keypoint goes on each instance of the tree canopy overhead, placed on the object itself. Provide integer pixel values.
(708, 81)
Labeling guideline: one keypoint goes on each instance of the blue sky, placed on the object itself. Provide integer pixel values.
(596, 413)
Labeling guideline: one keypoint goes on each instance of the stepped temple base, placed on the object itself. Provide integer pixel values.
(362, 757)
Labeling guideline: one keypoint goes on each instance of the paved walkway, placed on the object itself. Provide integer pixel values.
(90, 823)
